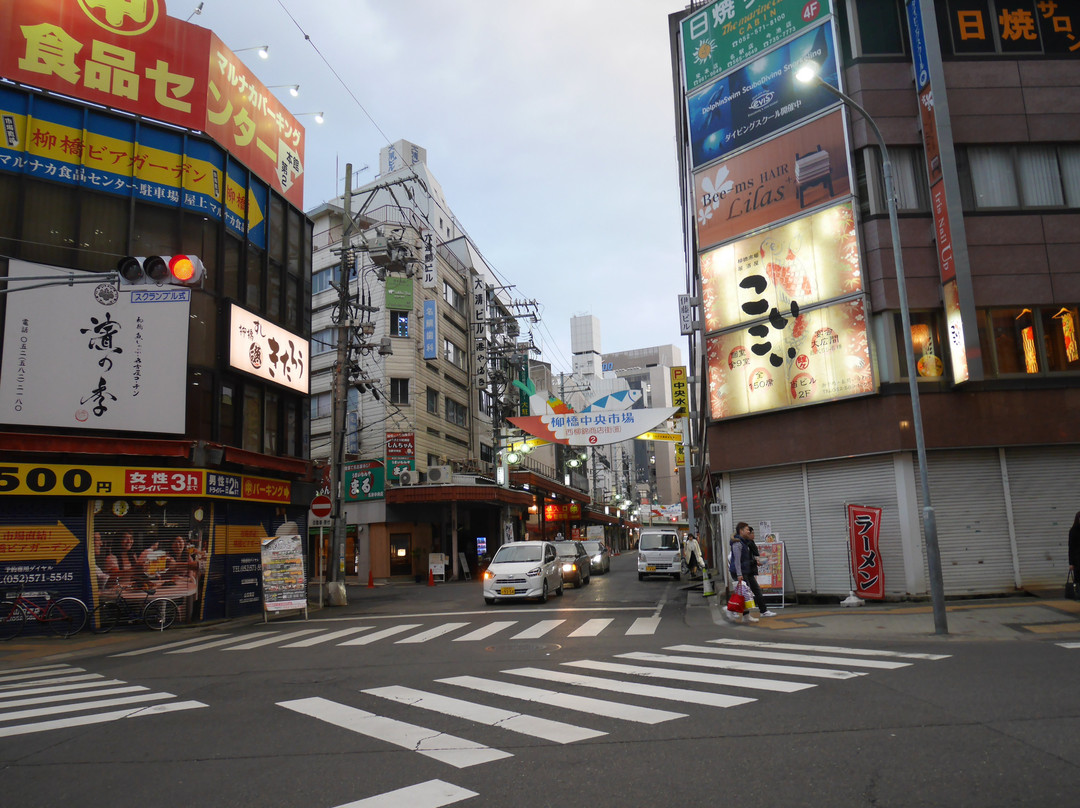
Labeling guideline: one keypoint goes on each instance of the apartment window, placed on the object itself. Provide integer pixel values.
(433, 400)
(399, 324)
(1059, 338)
(320, 405)
(1019, 177)
(452, 353)
(456, 413)
(879, 30)
(455, 298)
(487, 455)
(320, 281)
(1029, 341)
(323, 341)
(486, 402)
(399, 391)
(909, 180)
(926, 336)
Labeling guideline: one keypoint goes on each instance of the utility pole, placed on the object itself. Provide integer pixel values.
(336, 566)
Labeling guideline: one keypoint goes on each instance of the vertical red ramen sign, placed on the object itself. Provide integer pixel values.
(864, 526)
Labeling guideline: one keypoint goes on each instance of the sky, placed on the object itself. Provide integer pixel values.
(550, 127)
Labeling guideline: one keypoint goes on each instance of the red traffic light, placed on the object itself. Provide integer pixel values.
(185, 270)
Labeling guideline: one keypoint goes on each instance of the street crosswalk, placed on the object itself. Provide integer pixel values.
(411, 633)
(604, 693)
(46, 697)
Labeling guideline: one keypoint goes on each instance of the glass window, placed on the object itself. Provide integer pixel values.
(231, 269)
(48, 224)
(455, 298)
(321, 404)
(292, 256)
(879, 28)
(273, 292)
(276, 229)
(200, 405)
(486, 454)
(1069, 156)
(271, 424)
(909, 178)
(452, 353)
(433, 400)
(227, 427)
(202, 330)
(293, 295)
(292, 434)
(253, 423)
(992, 177)
(9, 214)
(201, 238)
(486, 402)
(103, 229)
(1013, 336)
(926, 340)
(323, 341)
(1040, 179)
(1059, 337)
(456, 413)
(253, 290)
(320, 281)
(399, 324)
(157, 230)
(399, 391)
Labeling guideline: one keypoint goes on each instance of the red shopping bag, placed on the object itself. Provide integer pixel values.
(736, 604)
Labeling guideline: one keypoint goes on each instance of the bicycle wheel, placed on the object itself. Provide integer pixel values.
(106, 616)
(12, 618)
(66, 616)
(159, 614)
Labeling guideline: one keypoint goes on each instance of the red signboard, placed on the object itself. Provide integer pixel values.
(400, 444)
(132, 56)
(558, 513)
(864, 527)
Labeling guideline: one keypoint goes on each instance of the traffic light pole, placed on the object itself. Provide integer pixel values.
(336, 567)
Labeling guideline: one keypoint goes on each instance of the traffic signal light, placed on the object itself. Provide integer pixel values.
(184, 270)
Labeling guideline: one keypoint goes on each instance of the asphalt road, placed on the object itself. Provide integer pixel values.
(613, 695)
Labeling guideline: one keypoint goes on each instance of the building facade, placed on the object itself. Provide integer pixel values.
(153, 434)
(979, 117)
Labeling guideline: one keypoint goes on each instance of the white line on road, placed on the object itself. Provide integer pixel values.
(537, 631)
(97, 718)
(829, 649)
(762, 667)
(55, 680)
(432, 794)
(57, 697)
(567, 701)
(634, 688)
(782, 657)
(590, 628)
(449, 749)
(432, 633)
(643, 625)
(153, 648)
(774, 685)
(212, 644)
(85, 705)
(272, 638)
(333, 635)
(379, 635)
(10, 694)
(38, 670)
(554, 731)
(486, 631)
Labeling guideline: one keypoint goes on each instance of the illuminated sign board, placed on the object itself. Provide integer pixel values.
(823, 355)
(267, 350)
(777, 272)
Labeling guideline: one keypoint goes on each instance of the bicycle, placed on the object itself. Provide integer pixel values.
(64, 616)
(157, 614)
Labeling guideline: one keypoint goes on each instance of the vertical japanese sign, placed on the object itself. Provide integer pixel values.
(400, 453)
(950, 236)
(430, 269)
(431, 330)
(864, 527)
(680, 391)
(479, 330)
(284, 585)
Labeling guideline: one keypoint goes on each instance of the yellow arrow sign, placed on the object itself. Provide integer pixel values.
(36, 542)
(671, 436)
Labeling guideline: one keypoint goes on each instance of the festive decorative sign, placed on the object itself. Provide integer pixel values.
(864, 527)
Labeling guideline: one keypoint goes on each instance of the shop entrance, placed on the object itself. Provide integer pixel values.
(400, 555)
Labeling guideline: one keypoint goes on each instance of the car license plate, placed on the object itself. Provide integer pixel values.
(506, 590)
(650, 568)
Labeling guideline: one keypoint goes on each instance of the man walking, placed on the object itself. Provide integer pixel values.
(744, 564)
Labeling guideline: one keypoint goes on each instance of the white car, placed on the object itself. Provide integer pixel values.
(659, 553)
(523, 569)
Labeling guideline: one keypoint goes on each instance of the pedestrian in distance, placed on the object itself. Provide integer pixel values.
(694, 561)
(744, 566)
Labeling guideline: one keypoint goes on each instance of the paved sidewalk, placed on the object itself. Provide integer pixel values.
(1023, 617)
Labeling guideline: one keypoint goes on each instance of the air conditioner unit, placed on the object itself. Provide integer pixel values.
(440, 474)
(409, 477)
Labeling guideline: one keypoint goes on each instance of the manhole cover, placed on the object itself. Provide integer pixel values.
(524, 647)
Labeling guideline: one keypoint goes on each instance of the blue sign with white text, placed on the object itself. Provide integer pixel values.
(430, 331)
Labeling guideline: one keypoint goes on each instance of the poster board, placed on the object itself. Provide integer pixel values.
(772, 574)
(437, 566)
(284, 583)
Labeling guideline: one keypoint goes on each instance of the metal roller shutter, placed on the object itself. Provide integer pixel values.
(835, 484)
(973, 532)
(1043, 484)
(776, 496)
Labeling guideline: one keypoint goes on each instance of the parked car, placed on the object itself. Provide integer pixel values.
(576, 568)
(659, 553)
(523, 569)
(599, 556)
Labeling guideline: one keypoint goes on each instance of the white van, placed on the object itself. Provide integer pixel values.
(659, 553)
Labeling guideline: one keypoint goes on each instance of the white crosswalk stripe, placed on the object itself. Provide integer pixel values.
(484, 632)
(643, 626)
(592, 627)
(367, 639)
(546, 729)
(29, 694)
(272, 639)
(537, 631)
(760, 667)
(432, 633)
(446, 748)
(324, 638)
(1069, 644)
(432, 794)
(828, 649)
(751, 683)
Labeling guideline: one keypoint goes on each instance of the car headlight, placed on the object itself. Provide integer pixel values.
(568, 567)
(534, 572)
(488, 575)
(596, 558)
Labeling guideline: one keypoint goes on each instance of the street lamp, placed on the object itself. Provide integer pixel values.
(294, 89)
(318, 115)
(808, 74)
(264, 50)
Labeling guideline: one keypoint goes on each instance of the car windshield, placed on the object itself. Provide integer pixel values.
(566, 548)
(592, 546)
(518, 553)
(659, 541)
